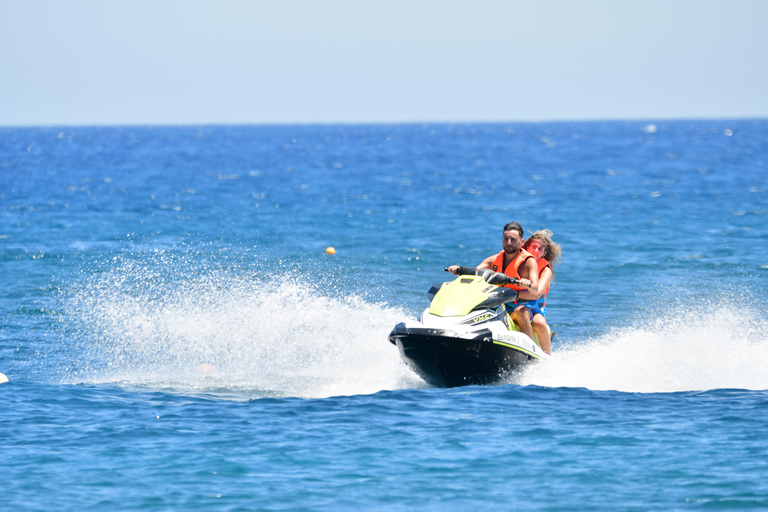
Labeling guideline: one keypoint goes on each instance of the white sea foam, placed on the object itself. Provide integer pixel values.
(711, 347)
(282, 337)
(277, 337)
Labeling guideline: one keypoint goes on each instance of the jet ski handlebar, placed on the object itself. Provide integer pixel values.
(488, 275)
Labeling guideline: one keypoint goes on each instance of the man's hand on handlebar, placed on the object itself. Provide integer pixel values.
(453, 269)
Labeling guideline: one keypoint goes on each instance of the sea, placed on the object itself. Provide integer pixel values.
(176, 335)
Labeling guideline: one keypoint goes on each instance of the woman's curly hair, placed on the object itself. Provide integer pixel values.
(551, 249)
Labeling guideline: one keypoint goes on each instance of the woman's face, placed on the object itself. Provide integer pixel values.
(537, 249)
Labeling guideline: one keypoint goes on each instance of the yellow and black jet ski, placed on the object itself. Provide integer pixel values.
(465, 336)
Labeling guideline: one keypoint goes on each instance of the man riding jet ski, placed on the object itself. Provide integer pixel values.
(517, 263)
(466, 336)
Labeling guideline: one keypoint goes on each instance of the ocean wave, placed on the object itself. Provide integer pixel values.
(275, 336)
(718, 345)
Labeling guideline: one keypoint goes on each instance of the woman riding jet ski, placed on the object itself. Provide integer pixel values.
(466, 336)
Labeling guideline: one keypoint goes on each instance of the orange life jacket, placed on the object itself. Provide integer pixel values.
(513, 266)
(543, 263)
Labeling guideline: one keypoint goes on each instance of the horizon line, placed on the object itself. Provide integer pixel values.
(372, 123)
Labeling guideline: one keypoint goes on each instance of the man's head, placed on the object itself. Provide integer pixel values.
(514, 226)
(512, 240)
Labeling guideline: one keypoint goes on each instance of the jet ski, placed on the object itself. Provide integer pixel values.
(465, 336)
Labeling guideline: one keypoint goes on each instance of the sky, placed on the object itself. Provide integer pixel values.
(94, 62)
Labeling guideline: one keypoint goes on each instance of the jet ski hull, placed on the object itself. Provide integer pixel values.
(445, 358)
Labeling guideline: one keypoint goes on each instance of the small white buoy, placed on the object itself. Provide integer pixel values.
(3, 378)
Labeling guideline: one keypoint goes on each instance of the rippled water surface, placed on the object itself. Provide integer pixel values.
(176, 337)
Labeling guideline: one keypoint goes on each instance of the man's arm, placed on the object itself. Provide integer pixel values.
(487, 262)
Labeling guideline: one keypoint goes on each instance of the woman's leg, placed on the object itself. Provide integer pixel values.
(542, 331)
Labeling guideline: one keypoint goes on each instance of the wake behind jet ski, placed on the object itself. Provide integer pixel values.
(466, 336)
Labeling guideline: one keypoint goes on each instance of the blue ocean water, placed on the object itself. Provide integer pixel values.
(176, 337)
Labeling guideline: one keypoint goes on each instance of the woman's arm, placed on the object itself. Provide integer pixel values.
(536, 291)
